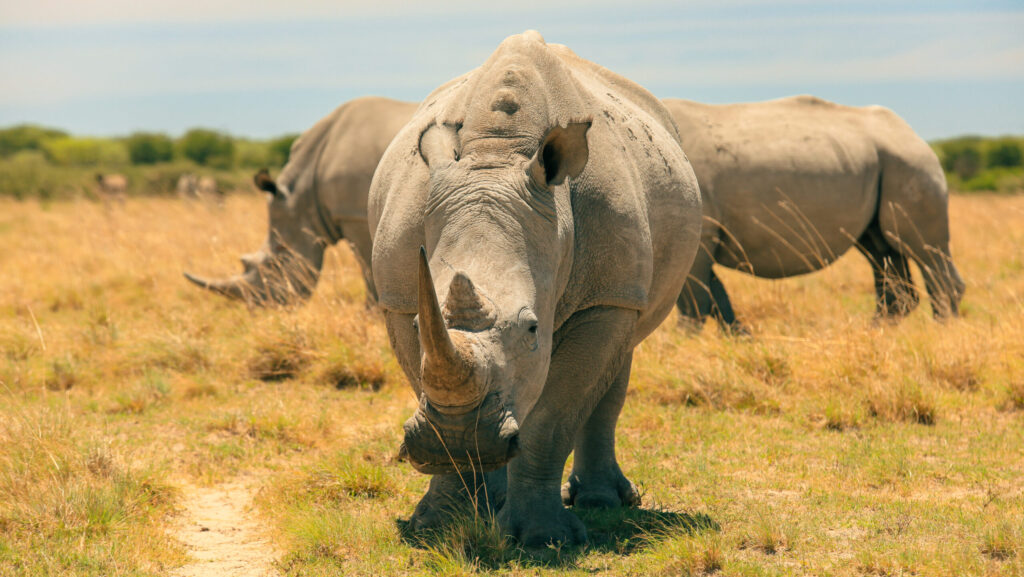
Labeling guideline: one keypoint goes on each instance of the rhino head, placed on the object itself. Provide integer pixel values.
(286, 269)
(499, 231)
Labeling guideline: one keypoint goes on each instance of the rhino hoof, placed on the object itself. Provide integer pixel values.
(620, 492)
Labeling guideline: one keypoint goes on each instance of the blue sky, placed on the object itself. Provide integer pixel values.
(260, 68)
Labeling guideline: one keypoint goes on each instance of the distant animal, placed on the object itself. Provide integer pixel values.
(207, 188)
(790, 185)
(111, 187)
(559, 218)
(318, 199)
(188, 186)
(195, 187)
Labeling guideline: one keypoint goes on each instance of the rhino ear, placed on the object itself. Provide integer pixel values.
(563, 152)
(264, 182)
(439, 145)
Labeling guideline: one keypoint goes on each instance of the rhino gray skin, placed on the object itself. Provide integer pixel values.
(790, 185)
(560, 217)
(318, 199)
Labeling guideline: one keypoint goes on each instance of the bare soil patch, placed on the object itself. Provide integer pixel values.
(221, 535)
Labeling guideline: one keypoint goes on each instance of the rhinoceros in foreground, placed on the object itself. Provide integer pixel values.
(790, 185)
(318, 199)
(560, 218)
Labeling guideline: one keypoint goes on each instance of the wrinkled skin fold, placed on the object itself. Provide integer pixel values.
(510, 306)
(318, 199)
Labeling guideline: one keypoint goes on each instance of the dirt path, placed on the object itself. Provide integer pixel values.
(221, 536)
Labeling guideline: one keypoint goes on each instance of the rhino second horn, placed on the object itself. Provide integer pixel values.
(466, 308)
(236, 287)
(447, 364)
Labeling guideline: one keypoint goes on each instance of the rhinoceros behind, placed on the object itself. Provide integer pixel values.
(790, 185)
(318, 199)
(559, 217)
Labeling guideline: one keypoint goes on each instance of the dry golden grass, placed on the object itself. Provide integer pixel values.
(824, 444)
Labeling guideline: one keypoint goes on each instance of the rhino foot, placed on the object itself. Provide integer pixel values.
(600, 492)
(543, 527)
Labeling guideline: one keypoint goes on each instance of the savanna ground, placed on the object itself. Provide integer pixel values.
(824, 445)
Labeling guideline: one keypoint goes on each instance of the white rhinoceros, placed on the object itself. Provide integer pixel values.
(790, 185)
(318, 199)
(559, 218)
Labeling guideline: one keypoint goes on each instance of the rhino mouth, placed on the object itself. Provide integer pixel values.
(480, 440)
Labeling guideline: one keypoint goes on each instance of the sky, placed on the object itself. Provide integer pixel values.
(261, 68)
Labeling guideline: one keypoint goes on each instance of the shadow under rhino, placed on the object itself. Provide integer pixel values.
(619, 531)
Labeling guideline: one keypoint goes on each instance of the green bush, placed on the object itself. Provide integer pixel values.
(251, 154)
(1004, 153)
(72, 151)
(26, 137)
(149, 148)
(280, 149)
(987, 180)
(24, 174)
(208, 148)
(961, 157)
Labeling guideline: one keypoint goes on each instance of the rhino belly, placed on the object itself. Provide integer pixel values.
(792, 226)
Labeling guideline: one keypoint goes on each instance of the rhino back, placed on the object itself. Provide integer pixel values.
(793, 182)
(355, 143)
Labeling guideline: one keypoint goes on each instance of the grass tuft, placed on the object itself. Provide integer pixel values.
(1003, 542)
(280, 357)
(906, 401)
(766, 536)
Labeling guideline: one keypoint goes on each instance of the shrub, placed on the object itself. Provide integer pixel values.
(984, 181)
(25, 174)
(965, 161)
(279, 149)
(26, 137)
(251, 154)
(149, 148)
(72, 151)
(1004, 153)
(208, 148)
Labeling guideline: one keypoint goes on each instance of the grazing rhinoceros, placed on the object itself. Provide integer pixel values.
(560, 218)
(789, 185)
(318, 199)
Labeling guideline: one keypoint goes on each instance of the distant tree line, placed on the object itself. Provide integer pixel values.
(978, 163)
(47, 162)
(206, 148)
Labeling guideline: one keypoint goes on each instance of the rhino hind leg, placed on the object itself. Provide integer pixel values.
(596, 480)
(704, 296)
(924, 238)
(895, 293)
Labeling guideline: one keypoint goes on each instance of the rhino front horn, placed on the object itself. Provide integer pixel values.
(235, 287)
(447, 366)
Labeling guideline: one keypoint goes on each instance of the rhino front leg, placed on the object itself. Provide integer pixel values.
(596, 480)
(589, 351)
